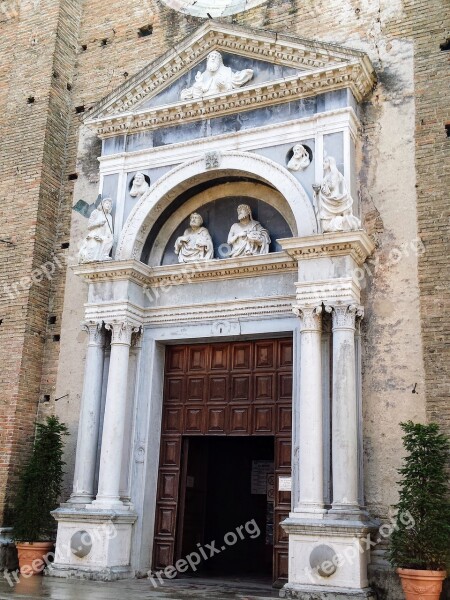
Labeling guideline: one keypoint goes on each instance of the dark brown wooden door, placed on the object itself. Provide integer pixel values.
(232, 389)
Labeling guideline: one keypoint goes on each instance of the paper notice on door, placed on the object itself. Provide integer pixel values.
(285, 484)
(260, 470)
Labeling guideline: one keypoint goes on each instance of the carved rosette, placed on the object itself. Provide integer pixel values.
(121, 332)
(95, 331)
(310, 317)
(345, 315)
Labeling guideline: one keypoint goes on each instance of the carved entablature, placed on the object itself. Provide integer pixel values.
(304, 68)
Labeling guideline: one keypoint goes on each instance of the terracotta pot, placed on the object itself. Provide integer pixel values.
(31, 556)
(421, 585)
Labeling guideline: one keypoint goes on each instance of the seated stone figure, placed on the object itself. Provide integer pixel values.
(248, 237)
(300, 159)
(196, 243)
(335, 202)
(216, 79)
(140, 185)
(99, 240)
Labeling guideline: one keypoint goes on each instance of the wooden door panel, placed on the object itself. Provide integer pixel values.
(284, 419)
(237, 389)
(198, 356)
(170, 452)
(240, 388)
(242, 356)
(176, 359)
(265, 388)
(220, 357)
(217, 419)
(240, 419)
(264, 355)
(172, 420)
(174, 389)
(194, 419)
(195, 389)
(218, 388)
(263, 419)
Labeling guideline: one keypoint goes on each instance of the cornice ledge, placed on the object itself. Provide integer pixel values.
(230, 268)
(356, 244)
(113, 270)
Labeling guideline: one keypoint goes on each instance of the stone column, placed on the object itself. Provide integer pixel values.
(88, 428)
(311, 413)
(108, 495)
(344, 409)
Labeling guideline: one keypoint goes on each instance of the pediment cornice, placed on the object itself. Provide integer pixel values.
(321, 67)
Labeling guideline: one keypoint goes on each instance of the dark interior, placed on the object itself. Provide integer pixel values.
(218, 499)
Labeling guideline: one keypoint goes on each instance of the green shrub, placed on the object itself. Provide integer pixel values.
(425, 544)
(40, 484)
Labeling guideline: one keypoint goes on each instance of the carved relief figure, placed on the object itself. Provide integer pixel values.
(140, 186)
(217, 79)
(99, 240)
(335, 202)
(248, 237)
(196, 243)
(300, 160)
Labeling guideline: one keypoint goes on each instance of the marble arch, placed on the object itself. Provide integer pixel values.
(193, 172)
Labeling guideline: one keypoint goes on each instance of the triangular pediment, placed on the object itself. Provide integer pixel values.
(262, 66)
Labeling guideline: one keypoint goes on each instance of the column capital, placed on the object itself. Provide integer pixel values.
(310, 317)
(95, 331)
(345, 315)
(121, 331)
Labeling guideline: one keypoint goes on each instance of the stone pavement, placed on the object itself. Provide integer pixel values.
(49, 588)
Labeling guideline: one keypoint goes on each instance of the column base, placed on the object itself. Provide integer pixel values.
(326, 555)
(80, 499)
(89, 573)
(93, 543)
(305, 592)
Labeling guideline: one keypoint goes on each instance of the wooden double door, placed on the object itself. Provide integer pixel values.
(229, 390)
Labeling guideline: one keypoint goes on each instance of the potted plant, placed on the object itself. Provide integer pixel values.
(38, 494)
(420, 542)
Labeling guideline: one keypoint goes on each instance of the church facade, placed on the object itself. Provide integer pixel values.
(239, 285)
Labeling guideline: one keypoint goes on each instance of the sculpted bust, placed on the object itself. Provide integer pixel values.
(248, 237)
(217, 79)
(335, 202)
(300, 160)
(140, 185)
(196, 243)
(99, 240)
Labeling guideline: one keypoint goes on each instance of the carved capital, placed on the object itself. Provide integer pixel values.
(121, 332)
(95, 331)
(345, 315)
(310, 317)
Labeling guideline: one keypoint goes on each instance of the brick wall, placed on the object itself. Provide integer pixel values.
(36, 41)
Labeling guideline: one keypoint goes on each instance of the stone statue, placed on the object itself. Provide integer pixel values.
(248, 237)
(300, 160)
(335, 202)
(217, 79)
(140, 186)
(196, 243)
(99, 240)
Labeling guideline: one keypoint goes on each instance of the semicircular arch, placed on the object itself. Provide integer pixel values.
(191, 173)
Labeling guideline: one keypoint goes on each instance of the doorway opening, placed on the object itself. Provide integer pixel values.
(226, 505)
